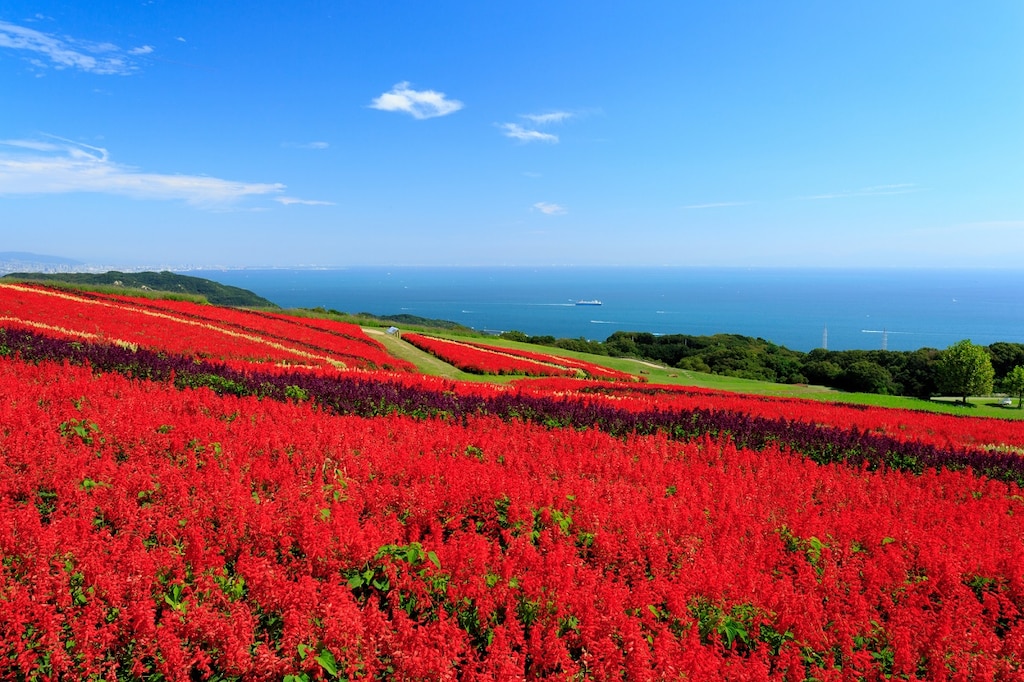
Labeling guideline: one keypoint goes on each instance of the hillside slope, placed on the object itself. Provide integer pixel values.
(215, 292)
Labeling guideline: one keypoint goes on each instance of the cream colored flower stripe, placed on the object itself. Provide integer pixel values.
(69, 332)
(337, 364)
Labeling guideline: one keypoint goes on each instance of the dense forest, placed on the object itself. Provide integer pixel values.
(910, 373)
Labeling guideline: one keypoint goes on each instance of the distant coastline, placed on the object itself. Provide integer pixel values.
(800, 308)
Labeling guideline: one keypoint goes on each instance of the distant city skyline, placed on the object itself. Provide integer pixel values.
(866, 134)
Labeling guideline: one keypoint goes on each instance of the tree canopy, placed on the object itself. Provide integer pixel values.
(909, 373)
(965, 369)
(1014, 384)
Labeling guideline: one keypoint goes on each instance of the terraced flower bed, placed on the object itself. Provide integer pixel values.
(168, 515)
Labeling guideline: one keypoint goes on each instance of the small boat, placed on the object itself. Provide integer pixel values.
(590, 302)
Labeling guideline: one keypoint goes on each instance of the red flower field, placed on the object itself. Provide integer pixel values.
(200, 330)
(478, 359)
(149, 531)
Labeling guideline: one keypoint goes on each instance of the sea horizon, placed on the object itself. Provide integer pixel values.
(801, 308)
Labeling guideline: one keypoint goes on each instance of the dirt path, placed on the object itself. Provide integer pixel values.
(648, 364)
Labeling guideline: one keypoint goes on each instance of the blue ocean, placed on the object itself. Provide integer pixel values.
(801, 309)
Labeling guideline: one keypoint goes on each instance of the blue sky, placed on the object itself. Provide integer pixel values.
(230, 133)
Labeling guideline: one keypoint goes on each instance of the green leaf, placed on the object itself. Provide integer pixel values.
(327, 662)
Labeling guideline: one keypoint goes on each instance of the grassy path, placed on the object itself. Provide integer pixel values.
(425, 362)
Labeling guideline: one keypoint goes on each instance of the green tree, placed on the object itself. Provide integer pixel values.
(823, 372)
(965, 369)
(868, 377)
(918, 376)
(1014, 384)
(515, 335)
(1006, 356)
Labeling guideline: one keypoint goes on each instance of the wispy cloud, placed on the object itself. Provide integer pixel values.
(417, 103)
(518, 132)
(306, 145)
(550, 209)
(288, 201)
(36, 145)
(719, 204)
(68, 53)
(59, 166)
(876, 190)
(547, 119)
(524, 134)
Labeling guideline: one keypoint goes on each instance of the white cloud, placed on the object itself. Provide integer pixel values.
(523, 134)
(547, 119)
(550, 209)
(145, 49)
(288, 201)
(66, 53)
(62, 166)
(419, 104)
(876, 190)
(518, 132)
(32, 144)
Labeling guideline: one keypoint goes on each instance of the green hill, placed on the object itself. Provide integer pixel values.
(214, 292)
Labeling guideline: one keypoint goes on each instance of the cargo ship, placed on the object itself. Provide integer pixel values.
(590, 302)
